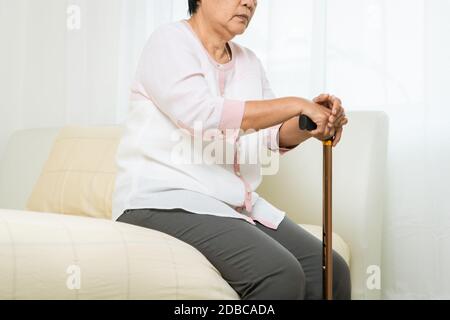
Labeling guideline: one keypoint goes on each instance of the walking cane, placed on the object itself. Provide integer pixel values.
(306, 123)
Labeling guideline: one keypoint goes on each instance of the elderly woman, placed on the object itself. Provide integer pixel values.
(194, 84)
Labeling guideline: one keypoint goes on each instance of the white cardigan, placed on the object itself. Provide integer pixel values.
(186, 107)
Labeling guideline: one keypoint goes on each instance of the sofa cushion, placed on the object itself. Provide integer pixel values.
(53, 256)
(78, 177)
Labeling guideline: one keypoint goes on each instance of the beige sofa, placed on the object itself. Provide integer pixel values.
(58, 242)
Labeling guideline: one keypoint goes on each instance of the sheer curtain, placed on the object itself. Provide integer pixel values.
(374, 54)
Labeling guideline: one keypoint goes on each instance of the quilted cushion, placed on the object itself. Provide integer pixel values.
(53, 256)
(78, 177)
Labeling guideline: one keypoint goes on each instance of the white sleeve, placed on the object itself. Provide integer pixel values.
(171, 75)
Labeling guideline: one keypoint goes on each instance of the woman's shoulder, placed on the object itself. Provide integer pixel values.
(168, 32)
(247, 55)
(243, 50)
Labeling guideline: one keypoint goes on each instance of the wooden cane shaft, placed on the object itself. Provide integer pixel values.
(327, 254)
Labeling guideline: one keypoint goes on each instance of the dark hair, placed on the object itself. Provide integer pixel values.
(193, 6)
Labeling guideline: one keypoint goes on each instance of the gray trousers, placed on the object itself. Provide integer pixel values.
(257, 262)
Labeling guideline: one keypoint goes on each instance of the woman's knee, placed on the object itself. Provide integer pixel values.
(293, 281)
(341, 278)
(282, 279)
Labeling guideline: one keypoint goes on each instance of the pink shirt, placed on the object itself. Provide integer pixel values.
(178, 86)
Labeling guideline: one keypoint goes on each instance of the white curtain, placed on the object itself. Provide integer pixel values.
(374, 54)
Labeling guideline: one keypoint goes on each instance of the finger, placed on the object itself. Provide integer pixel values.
(325, 100)
(337, 137)
(319, 97)
(340, 112)
(332, 120)
(336, 121)
(336, 104)
(334, 98)
(329, 103)
(335, 118)
(328, 131)
(340, 123)
(343, 122)
(322, 98)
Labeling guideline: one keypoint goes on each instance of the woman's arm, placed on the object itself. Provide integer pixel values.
(261, 114)
(291, 135)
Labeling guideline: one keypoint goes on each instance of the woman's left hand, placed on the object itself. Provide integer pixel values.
(337, 118)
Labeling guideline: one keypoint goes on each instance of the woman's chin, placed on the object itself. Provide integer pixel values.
(240, 28)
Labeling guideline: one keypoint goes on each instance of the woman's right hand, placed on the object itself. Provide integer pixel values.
(320, 116)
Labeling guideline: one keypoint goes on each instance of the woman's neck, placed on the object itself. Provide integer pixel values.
(212, 40)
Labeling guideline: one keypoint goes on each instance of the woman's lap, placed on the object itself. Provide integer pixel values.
(258, 262)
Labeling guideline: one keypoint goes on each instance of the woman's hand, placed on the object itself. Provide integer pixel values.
(337, 118)
(320, 115)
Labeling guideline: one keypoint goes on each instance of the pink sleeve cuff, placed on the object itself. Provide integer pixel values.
(232, 114)
(274, 139)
